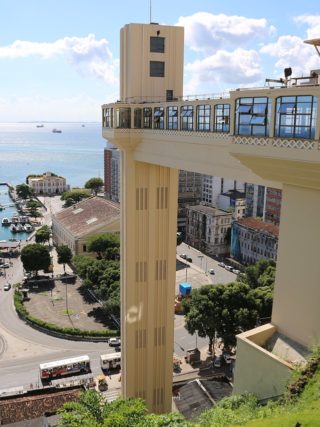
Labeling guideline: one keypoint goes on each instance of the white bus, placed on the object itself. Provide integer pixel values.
(58, 368)
(110, 361)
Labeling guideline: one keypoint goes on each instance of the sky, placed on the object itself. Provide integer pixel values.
(59, 59)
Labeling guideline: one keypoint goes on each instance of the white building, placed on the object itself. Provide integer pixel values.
(207, 229)
(213, 186)
(253, 239)
(48, 183)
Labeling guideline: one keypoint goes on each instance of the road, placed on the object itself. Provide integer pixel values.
(22, 348)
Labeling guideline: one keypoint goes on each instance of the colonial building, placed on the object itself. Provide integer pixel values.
(253, 239)
(233, 201)
(189, 194)
(75, 225)
(48, 183)
(207, 229)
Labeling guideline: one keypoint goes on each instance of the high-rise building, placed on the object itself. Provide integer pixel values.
(255, 200)
(273, 205)
(189, 194)
(213, 186)
(112, 173)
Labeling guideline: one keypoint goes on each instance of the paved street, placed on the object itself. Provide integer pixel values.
(22, 348)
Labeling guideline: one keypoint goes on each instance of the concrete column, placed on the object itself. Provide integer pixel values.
(296, 307)
(148, 269)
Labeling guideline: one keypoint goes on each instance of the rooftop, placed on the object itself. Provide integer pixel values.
(257, 224)
(88, 215)
(209, 210)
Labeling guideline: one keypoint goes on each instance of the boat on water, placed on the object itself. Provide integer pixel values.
(13, 228)
(15, 220)
(28, 228)
(40, 126)
(5, 221)
(83, 126)
(23, 219)
(56, 130)
(20, 228)
(2, 208)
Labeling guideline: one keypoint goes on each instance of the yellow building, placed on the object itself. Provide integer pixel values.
(267, 136)
(48, 183)
(73, 226)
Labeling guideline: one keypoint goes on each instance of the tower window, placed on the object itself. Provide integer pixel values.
(156, 69)
(157, 44)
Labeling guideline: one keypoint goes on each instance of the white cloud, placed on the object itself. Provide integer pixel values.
(292, 52)
(87, 54)
(207, 32)
(313, 21)
(235, 68)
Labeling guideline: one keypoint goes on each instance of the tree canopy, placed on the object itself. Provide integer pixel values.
(64, 255)
(95, 184)
(35, 257)
(260, 274)
(76, 195)
(93, 411)
(225, 310)
(43, 234)
(105, 245)
(24, 191)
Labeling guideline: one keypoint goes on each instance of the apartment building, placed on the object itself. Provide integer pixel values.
(189, 194)
(207, 229)
(253, 239)
(273, 205)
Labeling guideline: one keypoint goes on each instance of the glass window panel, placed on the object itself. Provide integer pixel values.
(260, 100)
(156, 69)
(286, 131)
(173, 113)
(259, 109)
(246, 101)
(244, 130)
(288, 98)
(258, 120)
(303, 108)
(157, 44)
(245, 119)
(287, 108)
(258, 130)
(302, 132)
(303, 120)
(304, 98)
(244, 108)
(286, 120)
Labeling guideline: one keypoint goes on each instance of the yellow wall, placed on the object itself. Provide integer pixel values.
(135, 80)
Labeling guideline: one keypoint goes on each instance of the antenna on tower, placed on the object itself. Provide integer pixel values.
(150, 10)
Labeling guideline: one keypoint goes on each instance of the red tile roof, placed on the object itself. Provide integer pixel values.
(257, 224)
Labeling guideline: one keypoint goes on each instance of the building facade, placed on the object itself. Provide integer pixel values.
(233, 201)
(273, 205)
(112, 173)
(253, 239)
(255, 200)
(207, 229)
(73, 226)
(213, 186)
(189, 194)
(47, 184)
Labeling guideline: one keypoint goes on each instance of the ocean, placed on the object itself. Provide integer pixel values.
(76, 153)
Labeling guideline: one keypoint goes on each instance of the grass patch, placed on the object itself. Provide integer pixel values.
(69, 312)
(23, 313)
(44, 293)
(57, 299)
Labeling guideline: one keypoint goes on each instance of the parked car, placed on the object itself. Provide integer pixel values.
(189, 259)
(227, 358)
(221, 264)
(183, 256)
(218, 362)
(7, 287)
(236, 271)
(211, 271)
(229, 268)
(114, 342)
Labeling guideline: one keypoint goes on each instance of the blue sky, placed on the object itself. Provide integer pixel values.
(59, 60)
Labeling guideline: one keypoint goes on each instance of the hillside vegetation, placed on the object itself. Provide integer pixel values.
(300, 407)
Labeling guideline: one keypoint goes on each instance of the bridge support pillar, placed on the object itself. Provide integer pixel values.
(148, 271)
(296, 311)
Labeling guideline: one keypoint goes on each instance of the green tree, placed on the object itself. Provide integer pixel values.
(105, 245)
(76, 194)
(35, 257)
(64, 255)
(202, 312)
(95, 184)
(93, 411)
(24, 191)
(43, 234)
(264, 269)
